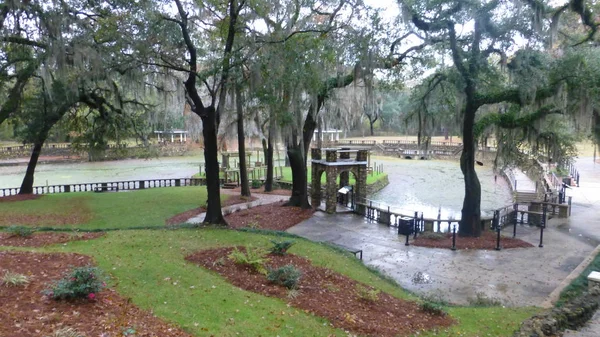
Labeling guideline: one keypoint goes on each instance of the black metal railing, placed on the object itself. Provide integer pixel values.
(109, 186)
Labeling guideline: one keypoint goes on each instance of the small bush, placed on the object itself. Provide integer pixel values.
(20, 231)
(66, 332)
(14, 279)
(366, 294)
(481, 300)
(281, 247)
(256, 183)
(254, 257)
(80, 282)
(287, 276)
(433, 308)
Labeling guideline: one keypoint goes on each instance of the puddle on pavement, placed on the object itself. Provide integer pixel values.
(421, 278)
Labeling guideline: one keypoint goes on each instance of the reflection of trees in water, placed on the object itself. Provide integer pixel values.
(427, 186)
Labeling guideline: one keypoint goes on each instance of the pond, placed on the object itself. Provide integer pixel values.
(93, 172)
(415, 185)
(431, 185)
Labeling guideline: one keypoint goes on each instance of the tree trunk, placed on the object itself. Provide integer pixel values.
(214, 214)
(27, 184)
(269, 160)
(371, 126)
(299, 186)
(470, 223)
(241, 142)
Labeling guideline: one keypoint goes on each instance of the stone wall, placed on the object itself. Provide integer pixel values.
(378, 185)
(572, 315)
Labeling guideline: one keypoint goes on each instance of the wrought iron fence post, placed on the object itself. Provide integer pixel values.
(543, 225)
(415, 221)
(453, 237)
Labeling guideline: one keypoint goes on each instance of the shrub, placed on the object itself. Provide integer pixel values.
(366, 294)
(253, 257)
(256, 183)
(433, 308)
(20, 231)
(287, 276)
(481, 300)
(80, 282)
(14, 279)
(281, 247)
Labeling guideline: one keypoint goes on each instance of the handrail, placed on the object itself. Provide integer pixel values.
(114, 185)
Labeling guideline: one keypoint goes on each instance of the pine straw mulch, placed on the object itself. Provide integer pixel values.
(183, 217)
(273, 216)
(44, 238)
(327, 294)
(487, 240)
(262, 191)
(72, 212)
(25, 312)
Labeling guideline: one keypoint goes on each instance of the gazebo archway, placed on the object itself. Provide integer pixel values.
(338, 162)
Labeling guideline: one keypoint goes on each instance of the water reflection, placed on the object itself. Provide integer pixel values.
(434, 187)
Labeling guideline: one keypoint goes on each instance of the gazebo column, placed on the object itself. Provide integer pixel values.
(331, 202)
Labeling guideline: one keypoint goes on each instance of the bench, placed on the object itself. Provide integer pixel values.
(358, 253)
(99, 189)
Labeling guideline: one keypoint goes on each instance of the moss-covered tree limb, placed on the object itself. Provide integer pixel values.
(510, 120)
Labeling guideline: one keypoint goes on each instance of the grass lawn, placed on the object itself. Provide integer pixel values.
(580, 284)
(154, 274)
(142, 208)
(371, 178)
(149, 267)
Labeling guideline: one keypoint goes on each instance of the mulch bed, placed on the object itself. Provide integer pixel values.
(183, 217)
(487, 240)
(25, 312)
(273, 216)
(44, 239)
(262, 191)
(20, 197)
(327, 294)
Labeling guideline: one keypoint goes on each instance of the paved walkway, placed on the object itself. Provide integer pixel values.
(516, 277)
(262, 199)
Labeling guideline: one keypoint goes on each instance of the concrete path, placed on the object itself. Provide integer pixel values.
(262, 199)
(515, 277)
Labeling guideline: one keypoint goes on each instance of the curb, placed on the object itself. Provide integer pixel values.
(555, 294)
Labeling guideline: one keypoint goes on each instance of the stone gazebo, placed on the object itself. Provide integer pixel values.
(338, 162)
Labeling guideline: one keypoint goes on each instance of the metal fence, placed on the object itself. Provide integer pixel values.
(109, 186)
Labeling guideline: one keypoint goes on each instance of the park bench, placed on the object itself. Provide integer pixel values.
(358, 253)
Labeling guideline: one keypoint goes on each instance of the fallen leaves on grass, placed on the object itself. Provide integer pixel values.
(44, 239)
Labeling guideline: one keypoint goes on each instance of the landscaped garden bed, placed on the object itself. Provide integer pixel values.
(26, 311)
(487, 240)
(274, 216)
(44, 239)
(184, 216)
(346, 303)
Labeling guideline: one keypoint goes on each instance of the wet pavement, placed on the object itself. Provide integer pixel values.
(514, 277)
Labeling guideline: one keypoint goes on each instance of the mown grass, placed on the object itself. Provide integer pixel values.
(149, 267)
(371, 178)
(578, 285)
(154, 274)
(143, 208)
